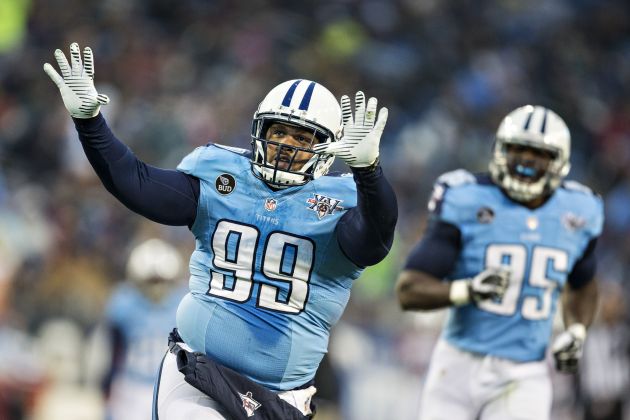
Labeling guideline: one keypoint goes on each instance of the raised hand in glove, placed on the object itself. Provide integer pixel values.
(76, 82)
(567, 348)
(490, 284)
(359, 146)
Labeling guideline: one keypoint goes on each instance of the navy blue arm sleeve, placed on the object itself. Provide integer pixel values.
(366, 232)
(437, 252)
(165, 196)
(584, 269)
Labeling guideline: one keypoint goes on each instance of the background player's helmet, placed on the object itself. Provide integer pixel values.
(301, 103)
(536, 127)
(154, 266)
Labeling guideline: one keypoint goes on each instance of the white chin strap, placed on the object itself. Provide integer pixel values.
(282, 179)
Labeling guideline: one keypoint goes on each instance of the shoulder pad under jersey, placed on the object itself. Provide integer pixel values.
(238, 150)
(576, 186)
(456, 178)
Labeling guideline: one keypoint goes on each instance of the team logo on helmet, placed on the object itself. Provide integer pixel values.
(249, 404)
(323, 205)
(225, 184)
(271, 204)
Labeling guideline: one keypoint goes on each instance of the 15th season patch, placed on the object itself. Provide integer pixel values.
(323, 205)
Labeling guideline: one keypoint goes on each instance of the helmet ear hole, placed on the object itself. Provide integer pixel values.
(302, 103)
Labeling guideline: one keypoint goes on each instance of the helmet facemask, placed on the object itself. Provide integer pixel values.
(525, 179)
(268, 154)
(308, 106)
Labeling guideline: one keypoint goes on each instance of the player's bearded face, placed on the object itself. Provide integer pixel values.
(289, 158)
(528, 164)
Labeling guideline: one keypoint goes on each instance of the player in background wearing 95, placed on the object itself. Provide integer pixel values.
(278, 242)
(508, 243)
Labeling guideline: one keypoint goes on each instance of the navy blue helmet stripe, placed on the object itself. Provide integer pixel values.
(287, 98)
(544, 122)
(529, 119)
(306, 100)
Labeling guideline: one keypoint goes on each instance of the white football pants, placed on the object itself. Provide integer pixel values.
(466, 386)
(178, 400)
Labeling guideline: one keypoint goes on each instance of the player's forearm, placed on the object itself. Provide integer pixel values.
(420, 291)
(99, 143)
(366, 232)
(579, 305)
(165, 196)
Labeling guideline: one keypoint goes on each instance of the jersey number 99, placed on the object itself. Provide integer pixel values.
(285, 257)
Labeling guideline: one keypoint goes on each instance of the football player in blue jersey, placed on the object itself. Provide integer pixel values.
(501, 250)
(139, 314)
(278, 242)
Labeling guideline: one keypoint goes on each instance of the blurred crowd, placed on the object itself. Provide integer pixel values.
(181, 74)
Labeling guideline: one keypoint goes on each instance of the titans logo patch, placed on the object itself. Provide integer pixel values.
(485, 215)
(225, 184)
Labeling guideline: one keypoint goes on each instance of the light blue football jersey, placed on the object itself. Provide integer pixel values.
(540, 247)
(144, 325)
(268, 278)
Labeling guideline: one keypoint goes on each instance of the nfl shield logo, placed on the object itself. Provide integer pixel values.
(532, 222)
(270, 204)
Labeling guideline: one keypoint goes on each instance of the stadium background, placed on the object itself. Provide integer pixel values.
(180, 74)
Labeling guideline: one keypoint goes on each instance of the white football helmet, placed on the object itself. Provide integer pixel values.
(301, 103)
(153, 266)
(536, 127)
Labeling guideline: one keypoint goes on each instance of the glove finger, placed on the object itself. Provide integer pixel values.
(102, 99)
(330, 148)
(335, 148)
(370, 112)
(88, 60)
(505, 271)
(494, 271)
(52, 73)
(63, 63)
(75, 59)
(346, 110)
(321, 148)
(381, 121)
(562, 343)
(359, 105)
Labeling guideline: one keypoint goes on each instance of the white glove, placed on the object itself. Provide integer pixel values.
(361, 137)
(77, 85)
(567, 348)
(490, 284)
